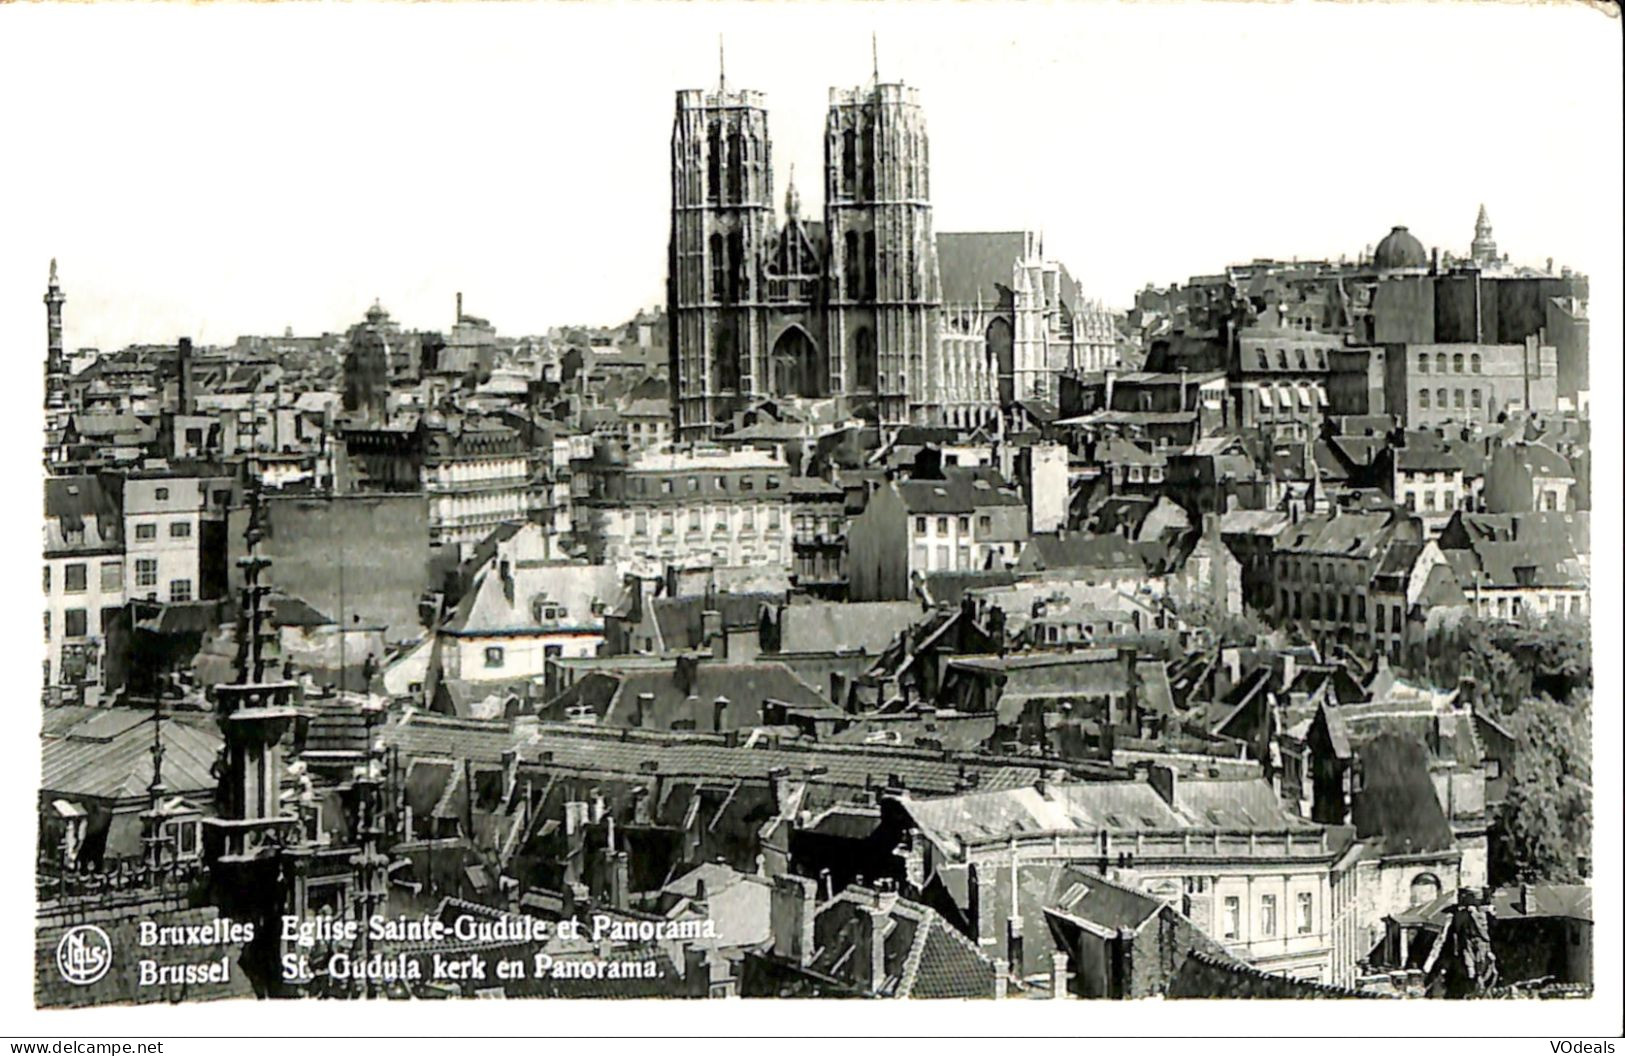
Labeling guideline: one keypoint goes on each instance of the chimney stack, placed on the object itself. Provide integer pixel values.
(869, 947)
(792, 911)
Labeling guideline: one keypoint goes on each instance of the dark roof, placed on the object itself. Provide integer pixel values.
(960, 490)
(978, 265)
(1397, 806)
(1080, 550)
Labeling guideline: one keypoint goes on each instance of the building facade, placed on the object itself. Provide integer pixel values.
(706, 506)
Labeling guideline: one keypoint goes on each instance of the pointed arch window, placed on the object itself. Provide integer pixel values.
(865, 364)
(713, 165)
(853, 262)
(719, 268)
(869, 265)
(849, 161)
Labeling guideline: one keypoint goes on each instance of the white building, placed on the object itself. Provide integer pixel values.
(84, 581)
(167, 513)
(704, 506)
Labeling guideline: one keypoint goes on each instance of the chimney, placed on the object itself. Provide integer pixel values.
(869, 947)
(620, 892)
(712, 635)
(1001, 979)
(1165, 780)
(1060, 981)
(459, 306)
(686, 671)
(791, 913)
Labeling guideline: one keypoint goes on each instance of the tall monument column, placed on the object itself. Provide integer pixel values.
(56, 364)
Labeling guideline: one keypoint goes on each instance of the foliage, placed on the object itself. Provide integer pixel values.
(1228, 629)
(1544, 833)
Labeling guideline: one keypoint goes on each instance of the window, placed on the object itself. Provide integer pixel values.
(919, 525)
(772, 483)
(161, 494)
(74, 623)
(942, 526)
(1461, 399)
(1458, 363)
(665, 487)
(1441, 399)
(668, 523)
(194, 437)
(73, 578)
(112, 576)
(47, 579)
(1422, 399)
(1266, 916)
(146, 572)
(47, 633)
(693, 483)
(942, 558)
(747, 483)
(493, 656)
(964, 525)
(984, 525)
(147, 530)
(222, 497)
(773, 519)
(1478, 399)
(1478, 363)
(694, 521)
(1232, 917)
(1306, 912)
(552, 652)
(640, 523)
(180, 529)
(181, 835)
(180, 590)
(964, 558)
(920, 557)
(1422, 363)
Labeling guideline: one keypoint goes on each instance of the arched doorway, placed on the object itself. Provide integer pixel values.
(795, 364)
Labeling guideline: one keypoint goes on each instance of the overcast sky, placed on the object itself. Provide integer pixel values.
(225, 170)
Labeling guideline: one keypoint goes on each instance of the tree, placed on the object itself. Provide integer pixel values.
(1544, 832)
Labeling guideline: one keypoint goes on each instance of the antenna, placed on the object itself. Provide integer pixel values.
(874, 53)
(722, 67)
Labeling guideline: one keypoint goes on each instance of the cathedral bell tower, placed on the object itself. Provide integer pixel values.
(884, 290)
(721, 222)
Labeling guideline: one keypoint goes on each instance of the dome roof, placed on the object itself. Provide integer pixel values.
(1400, 249)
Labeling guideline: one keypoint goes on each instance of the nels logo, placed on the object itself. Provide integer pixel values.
(84, 954)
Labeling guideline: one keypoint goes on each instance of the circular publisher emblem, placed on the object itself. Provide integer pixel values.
(84, 954)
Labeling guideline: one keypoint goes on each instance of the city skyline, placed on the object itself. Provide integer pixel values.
(566, 224)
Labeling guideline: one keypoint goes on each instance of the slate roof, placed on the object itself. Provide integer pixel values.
(959, 491)
(1341, 534)
(681, 619)
(1550, 562)
(831, 626)
(1397, 806)
(108, 755)
(978, 265)
(606, 751)
(1085, 807)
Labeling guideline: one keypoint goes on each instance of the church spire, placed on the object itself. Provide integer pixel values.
(1483, 239)
(792, 197)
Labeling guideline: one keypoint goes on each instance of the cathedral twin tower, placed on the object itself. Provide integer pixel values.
(846, 308)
